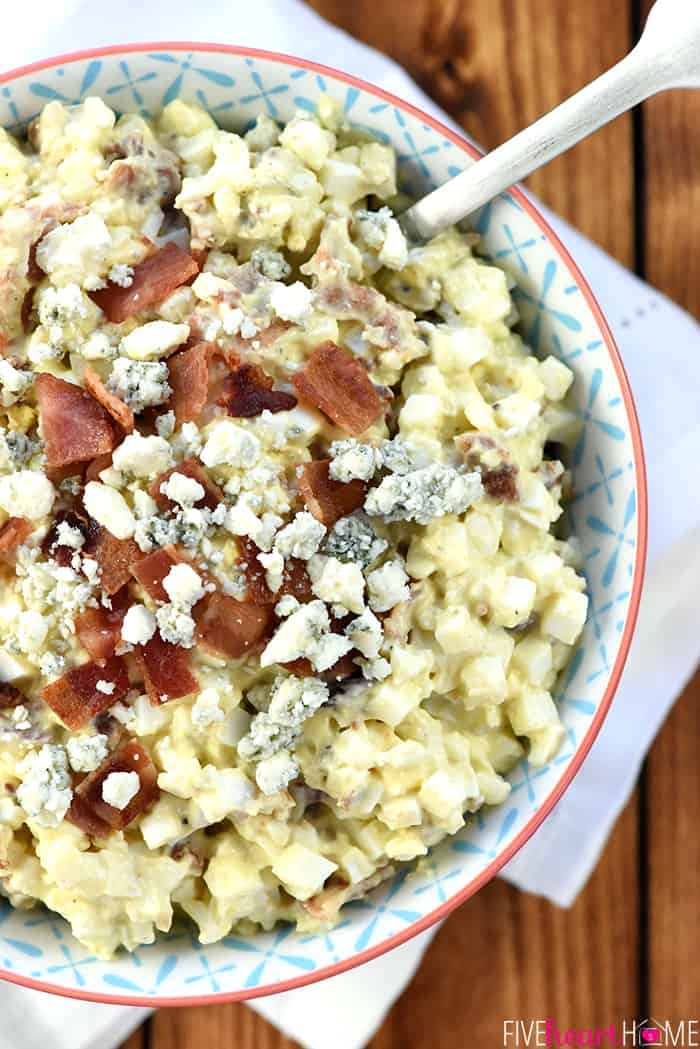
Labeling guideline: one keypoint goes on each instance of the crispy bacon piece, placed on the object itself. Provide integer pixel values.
(190, 468)
(90, 811)
(75, 697)
(188, 375)
(248, 392)
(154, 279)
(99, 629)
(59, 553)
(95, 468)
(500, 483)
(75, 426)
(120, 412)
(341, 670)
(151, 570)
(339, 385)
(13, 533)
(10, 697)
(166, 670)
(499, 476)
(114, 556)
(233, 628)
(328, 500)
(295, 579)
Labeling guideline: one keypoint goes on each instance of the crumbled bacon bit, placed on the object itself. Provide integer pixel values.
(295, 578)
(10, 697)
(188, 375)
(13, 533)
(481, 451)
(341, 670)
(115, 557)
(233, 628)
(154, 279)
(63, 555)
(166, 670)
(190, 468)
(500, 483)
(248, 392)
(75, 426)
(334, 381)
(74, 696)
(99, 629)
(328, 500)
(92, 814)
(120, 412)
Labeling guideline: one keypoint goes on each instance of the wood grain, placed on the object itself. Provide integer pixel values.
(672, 166)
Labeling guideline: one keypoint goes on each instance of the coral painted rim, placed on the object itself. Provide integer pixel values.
(441, 912)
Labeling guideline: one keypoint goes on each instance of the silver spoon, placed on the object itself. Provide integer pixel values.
(667, 56)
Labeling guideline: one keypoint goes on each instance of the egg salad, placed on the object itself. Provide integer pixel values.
(281, 599)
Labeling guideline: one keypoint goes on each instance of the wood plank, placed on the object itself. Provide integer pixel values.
(137, 1040)
(215, 1027)
(503, 955)
(672, 161)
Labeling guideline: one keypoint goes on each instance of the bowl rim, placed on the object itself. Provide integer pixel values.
(441, 912)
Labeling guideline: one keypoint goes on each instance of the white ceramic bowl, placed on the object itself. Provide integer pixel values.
(559, 315)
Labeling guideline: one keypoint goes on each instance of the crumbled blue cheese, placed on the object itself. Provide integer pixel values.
(98, 347)
(274, 773)
(273, 563)
(381, 231)
(16, 449)
(354, 539)
(142, 456)
(153, 339)
(27, 493)
(271, 263)
(32, 628)
(165, 424)
(122, 275)
(180, 488)
(338, 583)
(292, 302)
(423, 494)
(375, 669)
(366, 634)
(45, 792)
(139, 625)
(305, 634)
(119, 788)
(352, 460)
(85, 753)
(183, 585)
(67, 535)
(13, 383)
(77, 251)
(206, 710)
(388, 586)
(105, 687)
(230, 445)
(57, 309)
(109, 508)
(274, 731)
(176, 625)
(140, 384)
(286, 605)
(301, 538)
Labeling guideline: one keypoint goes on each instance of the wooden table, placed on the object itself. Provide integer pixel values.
(629, 946)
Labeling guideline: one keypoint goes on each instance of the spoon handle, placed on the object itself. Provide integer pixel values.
(619, 89)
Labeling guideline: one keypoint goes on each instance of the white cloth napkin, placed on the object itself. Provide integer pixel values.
(655, 337)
